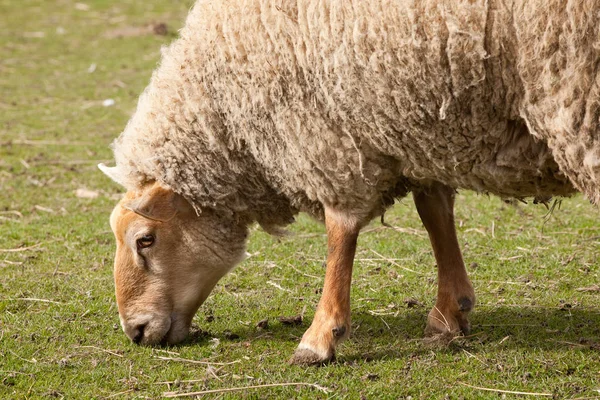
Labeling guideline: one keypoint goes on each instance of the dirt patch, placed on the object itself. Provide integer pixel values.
(295, 320)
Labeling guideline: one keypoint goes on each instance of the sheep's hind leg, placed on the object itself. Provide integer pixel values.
(331, 323)
(455, 293)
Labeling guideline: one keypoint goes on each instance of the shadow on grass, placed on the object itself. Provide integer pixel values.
(527, 328)
(399, 336)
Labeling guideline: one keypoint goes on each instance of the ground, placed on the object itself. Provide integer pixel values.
(70, 74)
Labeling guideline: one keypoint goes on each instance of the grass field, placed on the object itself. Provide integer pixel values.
(536, 327)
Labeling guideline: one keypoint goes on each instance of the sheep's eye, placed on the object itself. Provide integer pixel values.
(145, 241)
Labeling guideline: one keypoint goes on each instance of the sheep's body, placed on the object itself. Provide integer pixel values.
(262, 109)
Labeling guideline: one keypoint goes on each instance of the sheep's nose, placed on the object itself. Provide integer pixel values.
(137, 334)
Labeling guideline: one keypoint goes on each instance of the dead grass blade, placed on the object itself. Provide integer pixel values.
(506, 391)
(70, 162)
(19, 249)
(12, 212)
(101, 349)
(8, 262)
(394, 263)
(278, 286)
(305, 274)
(179, 359)
(408, 231)
(567, 343)
(593, 288)
(237, 389)
(28, 142)
(120, 393)
(33, 299)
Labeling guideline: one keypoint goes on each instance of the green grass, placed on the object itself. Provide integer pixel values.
(533, 330)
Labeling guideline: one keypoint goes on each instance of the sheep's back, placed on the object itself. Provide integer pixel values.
(348, 103)
(345, 95)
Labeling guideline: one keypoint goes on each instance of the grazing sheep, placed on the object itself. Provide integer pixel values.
(263, 109)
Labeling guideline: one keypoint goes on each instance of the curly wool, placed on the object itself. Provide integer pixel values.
(262, 109)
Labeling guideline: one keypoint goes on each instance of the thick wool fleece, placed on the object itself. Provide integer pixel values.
(265, 108)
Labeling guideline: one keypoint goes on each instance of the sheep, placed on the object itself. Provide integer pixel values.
(262, 109)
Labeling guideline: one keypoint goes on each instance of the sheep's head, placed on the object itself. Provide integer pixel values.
(168, 260)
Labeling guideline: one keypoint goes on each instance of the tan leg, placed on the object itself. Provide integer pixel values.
(331, 324)
(455, 293)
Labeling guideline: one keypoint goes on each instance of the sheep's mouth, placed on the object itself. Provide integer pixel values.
(157, 329)
(177, 332)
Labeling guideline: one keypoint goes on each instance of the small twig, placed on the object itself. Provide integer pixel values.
(33, 299)
(503, 282)
(504, 339)
(19, 249)
(179, 359)
(100, 349)
(70, 162)
(166, 351)
(391, 261)
(12, 212)
(44, 209)
(303, 273)
(209, 370)
(409, 231)
(173, 382)
(120, 393)
(49, 143)
(310, 235)
(12, 262)
(379, 259)
(32, 361)
(383, 312)
(236, 389)
(477, 230)
(386, 324)
(25, 164)
(505, 391)
(474, 356)
(278, 286)
(567, 343)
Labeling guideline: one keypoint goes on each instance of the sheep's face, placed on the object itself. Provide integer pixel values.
(167, 262)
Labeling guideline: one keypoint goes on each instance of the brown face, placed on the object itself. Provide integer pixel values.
(167, 262)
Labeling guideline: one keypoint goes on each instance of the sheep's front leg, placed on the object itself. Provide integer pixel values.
(331, 323)
(455, 293)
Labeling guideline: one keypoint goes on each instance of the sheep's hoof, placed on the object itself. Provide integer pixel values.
(460, 327)
(309, 357)
(440, 334)
(450, 320)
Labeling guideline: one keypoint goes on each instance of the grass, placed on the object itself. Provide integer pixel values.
(535, 329)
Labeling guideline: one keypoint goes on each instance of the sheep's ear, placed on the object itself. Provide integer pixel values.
(113, 173)
(156, 203)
